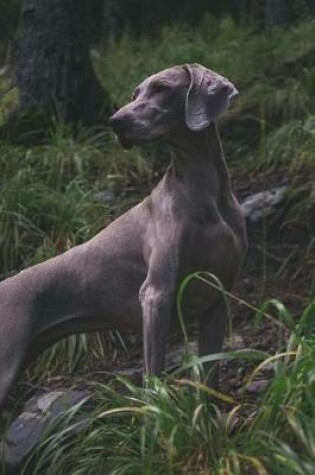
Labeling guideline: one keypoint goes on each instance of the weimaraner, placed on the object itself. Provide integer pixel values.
(127, 276)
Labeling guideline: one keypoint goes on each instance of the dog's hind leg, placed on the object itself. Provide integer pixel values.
(12, 352)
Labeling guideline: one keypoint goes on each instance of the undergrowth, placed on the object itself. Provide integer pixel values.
(56, 195)
(180, 426)
(59, 195)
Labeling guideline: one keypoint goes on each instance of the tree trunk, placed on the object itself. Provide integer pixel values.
(52, 65)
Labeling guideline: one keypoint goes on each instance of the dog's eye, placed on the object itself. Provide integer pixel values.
(135, 94)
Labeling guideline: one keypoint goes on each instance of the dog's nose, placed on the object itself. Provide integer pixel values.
(117, 123)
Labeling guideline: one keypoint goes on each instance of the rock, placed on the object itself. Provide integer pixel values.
(175, 357)
(39, 412)
(105, 197)
(258, 387)
(21, 438)
(269, 367)
(261, 204)
(133, 373)
(55, 402)
(234, 342)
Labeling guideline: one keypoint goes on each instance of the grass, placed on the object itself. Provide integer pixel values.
(247, 59)
(49, 196)
(177, 426)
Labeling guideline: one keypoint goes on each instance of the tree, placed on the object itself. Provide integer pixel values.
(52, 68)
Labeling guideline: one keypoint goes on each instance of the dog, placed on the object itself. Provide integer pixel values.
(127, 276)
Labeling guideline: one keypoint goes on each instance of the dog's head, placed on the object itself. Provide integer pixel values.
(163, 105)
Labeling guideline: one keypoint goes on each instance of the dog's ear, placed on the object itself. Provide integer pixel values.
(208, 96)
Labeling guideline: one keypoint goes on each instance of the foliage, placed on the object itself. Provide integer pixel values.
(49, 195)
(237, 52)
(179, 426)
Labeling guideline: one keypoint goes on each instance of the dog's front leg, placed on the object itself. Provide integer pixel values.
(156, 297)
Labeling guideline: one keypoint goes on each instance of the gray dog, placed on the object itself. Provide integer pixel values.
(126, 277)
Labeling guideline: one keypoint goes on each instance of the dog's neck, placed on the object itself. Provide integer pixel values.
(198, 159)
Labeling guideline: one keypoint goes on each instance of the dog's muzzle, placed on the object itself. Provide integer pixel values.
(120, 127)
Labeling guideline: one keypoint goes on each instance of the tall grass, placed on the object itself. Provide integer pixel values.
(176, 426)
(246, 58)
(49, 195)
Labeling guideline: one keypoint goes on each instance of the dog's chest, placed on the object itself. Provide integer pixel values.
(188, 229)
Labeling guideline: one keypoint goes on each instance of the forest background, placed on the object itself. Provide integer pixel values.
(64, 66)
